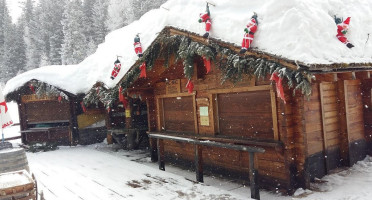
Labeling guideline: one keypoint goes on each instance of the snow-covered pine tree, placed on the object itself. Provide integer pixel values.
(10, 45)
(56, 35)
(140, 7)
(74, 46)
(124, 12)
(118, 14)
(87, 21)
(99, 16)
(26, 21)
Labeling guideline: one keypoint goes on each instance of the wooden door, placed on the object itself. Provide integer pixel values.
(331, 125)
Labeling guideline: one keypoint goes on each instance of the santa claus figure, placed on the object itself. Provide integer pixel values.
(138, 46)
(116, 69)
(342, 28)
(205, 17)
(249, 33)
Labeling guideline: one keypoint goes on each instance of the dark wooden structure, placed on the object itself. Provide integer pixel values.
(47, 118)
(304, 138)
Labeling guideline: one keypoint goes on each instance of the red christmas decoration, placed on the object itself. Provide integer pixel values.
(122, 97)
(279, 85)
(4, 104)
(143, 70)
(205, 17)
(137, 46)
(116, 69)
(190, 86)
(207, 64)
(83, 106)
(342, 29)
(249, 33)
(59, 98)
(32, 88)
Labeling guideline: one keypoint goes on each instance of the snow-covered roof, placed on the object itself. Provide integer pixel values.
(297, 30)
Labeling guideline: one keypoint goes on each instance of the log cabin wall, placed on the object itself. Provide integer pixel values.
(241, 112)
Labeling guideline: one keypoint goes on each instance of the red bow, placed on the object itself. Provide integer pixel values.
(190, 86)
(4, 104)
(122, 97)
(83, 107)
(279, 85)
(143, 70)
(207, 64)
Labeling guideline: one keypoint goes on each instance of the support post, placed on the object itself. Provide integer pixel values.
(199, 163)
(253, 178)
(153, 148)
(161, 154)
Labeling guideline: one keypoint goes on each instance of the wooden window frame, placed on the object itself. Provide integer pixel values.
(269, 88)
(160, 109)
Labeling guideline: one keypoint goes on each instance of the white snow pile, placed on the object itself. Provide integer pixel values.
(294, 29)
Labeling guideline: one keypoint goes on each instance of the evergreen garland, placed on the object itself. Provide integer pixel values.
(100, 93)
(230, 63)
(43, 89)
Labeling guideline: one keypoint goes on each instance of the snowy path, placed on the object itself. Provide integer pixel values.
(85, 173)
(99, 172)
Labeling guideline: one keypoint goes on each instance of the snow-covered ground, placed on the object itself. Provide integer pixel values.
(104, 172)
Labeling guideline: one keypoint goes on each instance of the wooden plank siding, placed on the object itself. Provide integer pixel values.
(238, 111)
(331, 125)
(367, 112)
(355, 121)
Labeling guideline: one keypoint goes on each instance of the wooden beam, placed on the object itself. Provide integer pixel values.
(199, 163)
(241, 89)
(253, 177)
(274, 113)
(325, 145)
(161, 156)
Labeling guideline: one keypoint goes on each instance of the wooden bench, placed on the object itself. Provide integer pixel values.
(253, 172)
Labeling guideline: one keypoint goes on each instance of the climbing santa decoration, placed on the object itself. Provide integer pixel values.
(249, 33)
(116, 70)
(342, 28)
(137, 46)
(206, 18)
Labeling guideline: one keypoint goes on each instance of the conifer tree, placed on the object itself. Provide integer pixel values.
(74, 45)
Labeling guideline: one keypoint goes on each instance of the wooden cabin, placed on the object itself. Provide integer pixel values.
(307, 136)
(48, 114)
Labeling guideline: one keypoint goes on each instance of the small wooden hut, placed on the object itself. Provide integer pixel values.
(48, 114)
(322, 123)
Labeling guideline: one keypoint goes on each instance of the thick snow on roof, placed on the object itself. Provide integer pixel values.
(294, 29)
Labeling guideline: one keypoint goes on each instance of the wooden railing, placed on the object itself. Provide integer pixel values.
(253, 172)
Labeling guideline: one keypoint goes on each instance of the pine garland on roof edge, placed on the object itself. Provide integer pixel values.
(230, 63)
